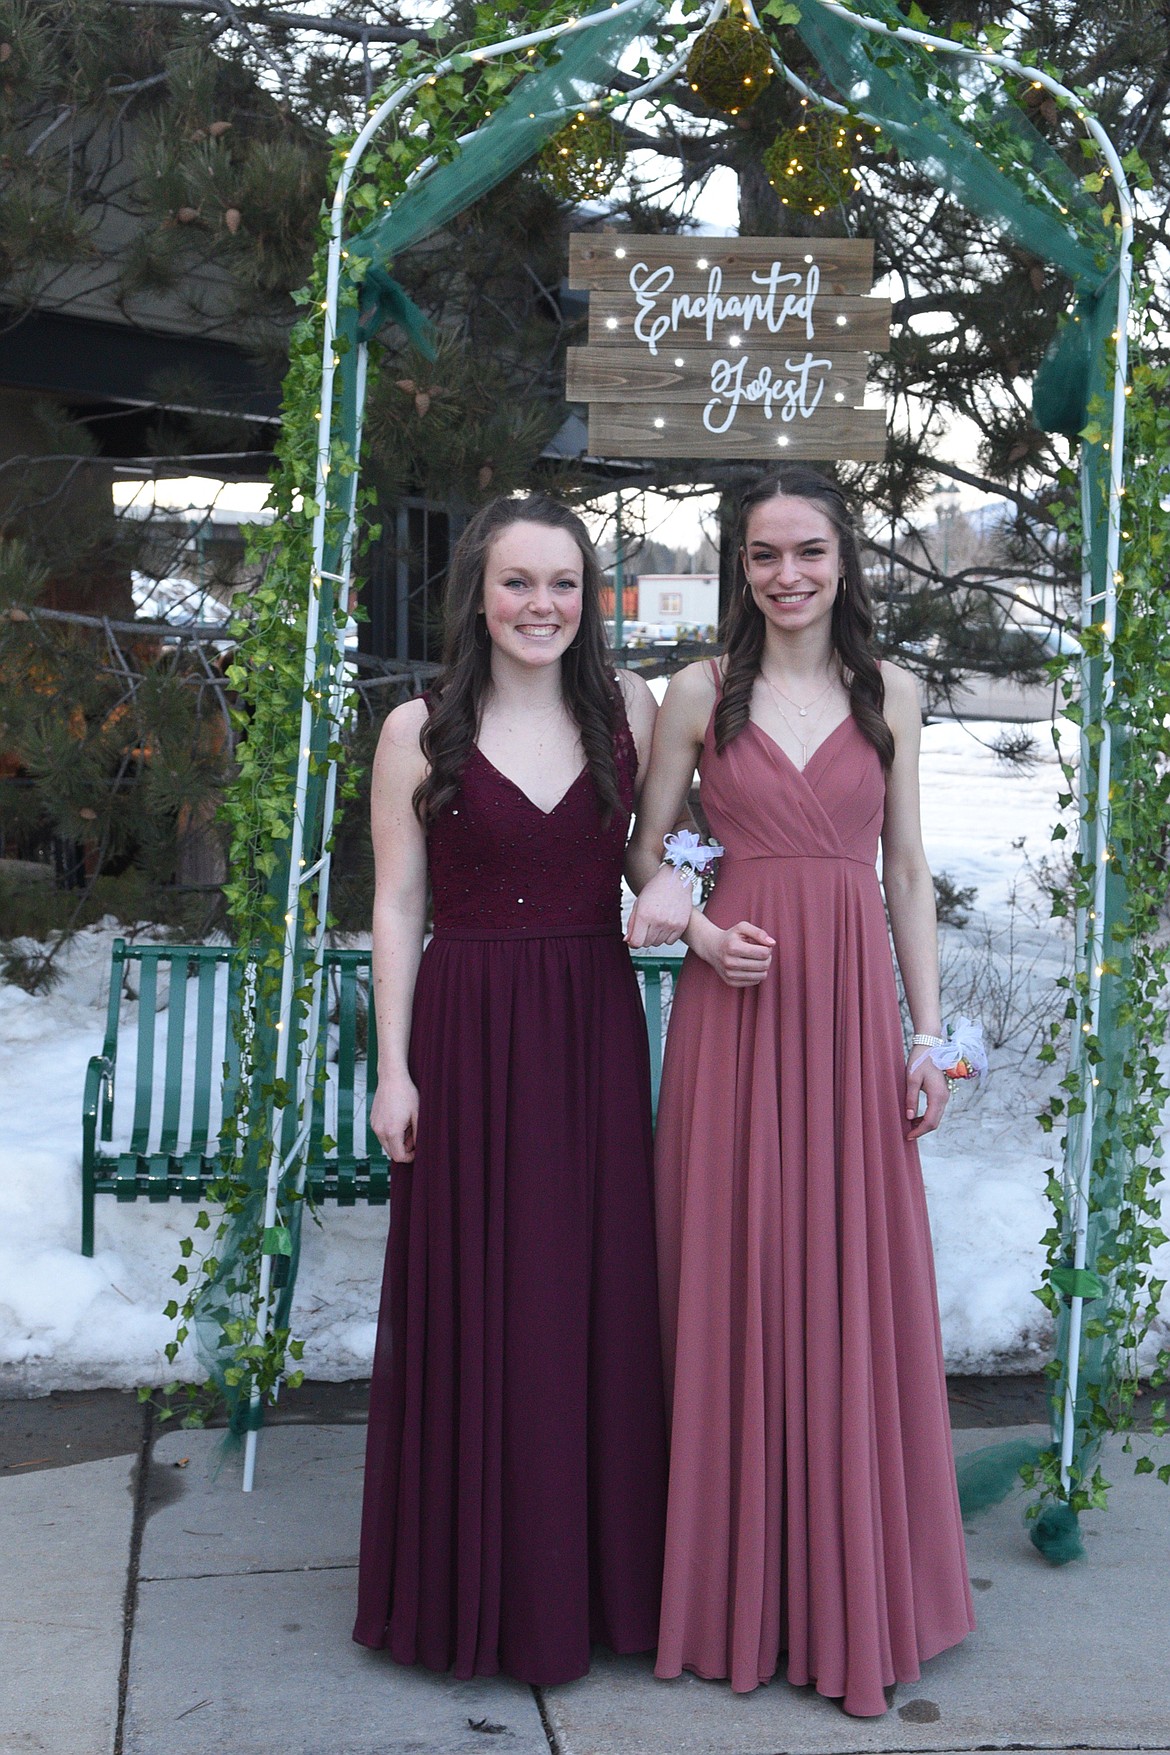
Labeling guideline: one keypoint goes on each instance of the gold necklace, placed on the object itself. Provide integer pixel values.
(803, 711)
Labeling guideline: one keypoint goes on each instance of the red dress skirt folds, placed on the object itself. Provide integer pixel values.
(515, 1464)
(812, 1505)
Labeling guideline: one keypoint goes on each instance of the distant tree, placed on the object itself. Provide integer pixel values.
(179, 149)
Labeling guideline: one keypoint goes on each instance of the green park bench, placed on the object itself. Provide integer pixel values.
(186, 1069)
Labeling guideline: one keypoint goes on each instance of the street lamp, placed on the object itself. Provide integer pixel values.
(946, 509)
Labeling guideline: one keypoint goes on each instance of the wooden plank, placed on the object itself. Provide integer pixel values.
(602, 260)
(618, 430)
(846, 324)
(614, 374)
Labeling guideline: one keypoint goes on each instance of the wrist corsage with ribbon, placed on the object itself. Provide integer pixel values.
(959, 1054)
(692, 857)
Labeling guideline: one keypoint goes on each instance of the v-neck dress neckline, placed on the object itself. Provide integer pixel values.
(776, 745)
(516, 787)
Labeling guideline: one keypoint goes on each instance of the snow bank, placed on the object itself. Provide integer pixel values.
(66, 1322)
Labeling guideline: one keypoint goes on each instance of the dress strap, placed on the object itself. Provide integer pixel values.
(716, 676)
(624, 748)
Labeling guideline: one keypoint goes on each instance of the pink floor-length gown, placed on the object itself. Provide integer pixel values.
(812, 1505)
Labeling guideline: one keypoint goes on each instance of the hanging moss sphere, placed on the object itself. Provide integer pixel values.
(584, 160)
(730, 65)
(811, 166)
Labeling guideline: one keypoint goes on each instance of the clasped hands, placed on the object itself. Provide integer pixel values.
(741, 955)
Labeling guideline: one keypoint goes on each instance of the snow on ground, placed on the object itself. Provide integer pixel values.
(66, 1322)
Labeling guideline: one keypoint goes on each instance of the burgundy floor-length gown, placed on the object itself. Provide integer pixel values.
(812, 1505)
(516, 1459)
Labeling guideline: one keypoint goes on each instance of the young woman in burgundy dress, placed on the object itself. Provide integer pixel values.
(812, 1506)
(515, 1465)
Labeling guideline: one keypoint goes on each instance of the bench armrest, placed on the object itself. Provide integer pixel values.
(99, 1086)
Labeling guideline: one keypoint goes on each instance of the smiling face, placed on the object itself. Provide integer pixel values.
(792, 561)
(533, 588)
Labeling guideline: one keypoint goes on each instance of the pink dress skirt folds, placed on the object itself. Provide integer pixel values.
(516, 1459)
(812, 1506)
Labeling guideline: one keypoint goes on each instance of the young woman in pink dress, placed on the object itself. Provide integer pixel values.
(516, 1458)
(812, 1506)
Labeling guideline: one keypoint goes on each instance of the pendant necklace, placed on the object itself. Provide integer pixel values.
(803, 711)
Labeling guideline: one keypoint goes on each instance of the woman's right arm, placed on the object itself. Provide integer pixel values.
(742, 954)
(400, 897)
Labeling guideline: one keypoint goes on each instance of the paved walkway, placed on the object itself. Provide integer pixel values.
(157, 1610)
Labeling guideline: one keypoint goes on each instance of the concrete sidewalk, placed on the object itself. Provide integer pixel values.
(170, 1614)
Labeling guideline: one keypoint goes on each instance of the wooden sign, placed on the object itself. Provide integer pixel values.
(728, 347)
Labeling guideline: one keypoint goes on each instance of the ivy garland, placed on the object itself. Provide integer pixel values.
(1132, 1088)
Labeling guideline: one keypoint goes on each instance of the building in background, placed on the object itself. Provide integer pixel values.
(675, 602)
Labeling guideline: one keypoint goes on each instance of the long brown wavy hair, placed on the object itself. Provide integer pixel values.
(587, 677)
(851, 625)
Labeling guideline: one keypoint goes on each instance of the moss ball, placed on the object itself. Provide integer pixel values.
(811, 166)
(730, 65)
(584, 160)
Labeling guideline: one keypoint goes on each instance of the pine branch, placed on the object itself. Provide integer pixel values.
(262, 16)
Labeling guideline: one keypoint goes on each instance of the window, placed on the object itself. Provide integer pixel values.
(670, 603)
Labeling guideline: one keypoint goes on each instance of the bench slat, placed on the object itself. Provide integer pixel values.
(144, 1072)
(231, 1048)
(176, 1042)
(158, 1175)
(346, 1057)
(192, 1171)
(204, 1059)
(373, 1143)
(126, 1174)
(319, 1094)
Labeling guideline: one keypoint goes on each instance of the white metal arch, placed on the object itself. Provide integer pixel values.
(296, 1066)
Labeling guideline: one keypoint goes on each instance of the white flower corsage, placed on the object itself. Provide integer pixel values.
(689, 854)
(961, 1054)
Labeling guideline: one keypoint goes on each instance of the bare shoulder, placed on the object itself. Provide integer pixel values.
(694, 685)
(398, 740)
(902, 699)
(402, 726)
(636, 692)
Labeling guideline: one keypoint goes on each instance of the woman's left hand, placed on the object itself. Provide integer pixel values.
(661, 913)
(929, 1079)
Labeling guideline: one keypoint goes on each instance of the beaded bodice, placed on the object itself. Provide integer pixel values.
(500, 864)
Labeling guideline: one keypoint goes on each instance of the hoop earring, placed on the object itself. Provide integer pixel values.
(842, 584)
(747, 590)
